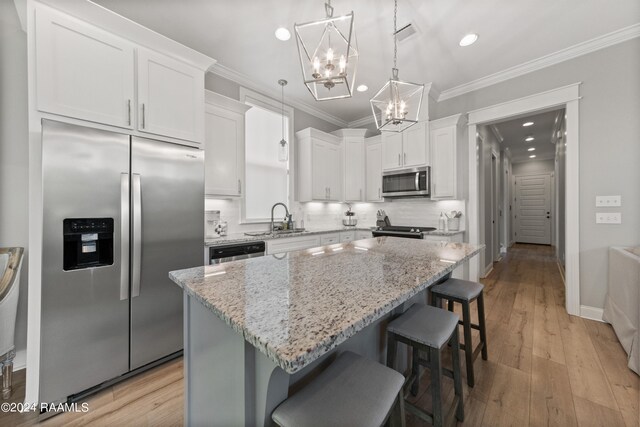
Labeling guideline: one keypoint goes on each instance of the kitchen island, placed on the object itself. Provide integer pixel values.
(258, 328)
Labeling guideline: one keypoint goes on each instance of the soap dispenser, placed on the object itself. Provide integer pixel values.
(441, 222)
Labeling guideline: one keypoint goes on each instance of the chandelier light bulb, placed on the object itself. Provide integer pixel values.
(329, 56)
(316, 67)
(343, 64)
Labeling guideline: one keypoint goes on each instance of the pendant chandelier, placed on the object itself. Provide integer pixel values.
(283, 147)
(396, 106)
(328, 55)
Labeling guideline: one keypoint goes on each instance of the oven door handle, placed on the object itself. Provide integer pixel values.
(417, 181)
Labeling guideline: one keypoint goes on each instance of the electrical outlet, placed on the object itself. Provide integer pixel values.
(608, 201)
(608, 218)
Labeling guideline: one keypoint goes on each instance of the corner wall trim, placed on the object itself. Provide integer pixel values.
(601, 42)
(592, 313)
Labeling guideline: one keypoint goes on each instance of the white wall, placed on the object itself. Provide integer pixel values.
(532, 167)
(320, 216)
(14, 153)
(609, 149)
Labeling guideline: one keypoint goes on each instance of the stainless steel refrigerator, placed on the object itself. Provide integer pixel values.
(120, 212)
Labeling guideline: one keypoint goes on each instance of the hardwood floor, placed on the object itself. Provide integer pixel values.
(545, 368)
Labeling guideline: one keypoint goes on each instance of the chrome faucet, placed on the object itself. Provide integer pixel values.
(272, 208)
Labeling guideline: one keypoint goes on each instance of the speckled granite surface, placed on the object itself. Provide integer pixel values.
(296, 307)
(242, 238)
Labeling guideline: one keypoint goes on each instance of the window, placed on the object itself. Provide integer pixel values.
(267, 180)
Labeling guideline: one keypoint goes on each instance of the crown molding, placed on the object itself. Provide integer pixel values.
(247, 82)
(363, 121)
(601, 42)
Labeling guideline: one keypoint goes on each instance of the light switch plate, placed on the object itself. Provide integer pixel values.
(608, 201)
(608, 218)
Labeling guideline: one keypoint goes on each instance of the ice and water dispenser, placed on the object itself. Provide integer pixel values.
(88, 242)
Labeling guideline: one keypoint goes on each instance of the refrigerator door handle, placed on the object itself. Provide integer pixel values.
(137, 236)
(124, 236)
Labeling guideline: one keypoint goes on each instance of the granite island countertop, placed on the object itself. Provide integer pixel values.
(295, 307)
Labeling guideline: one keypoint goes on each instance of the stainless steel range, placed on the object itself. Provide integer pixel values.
(402, 231)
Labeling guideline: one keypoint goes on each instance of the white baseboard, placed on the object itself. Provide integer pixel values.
(592, 313)
(487, 271)
(20, 361)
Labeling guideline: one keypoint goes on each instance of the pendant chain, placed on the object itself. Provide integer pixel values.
(395, 36)
(282, 111)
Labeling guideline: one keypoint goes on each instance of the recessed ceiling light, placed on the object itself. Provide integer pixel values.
(529, 138)
(532, 156)
(527, 124)
(468, 39)
(531, 149)
(283, 34)
(362, 88)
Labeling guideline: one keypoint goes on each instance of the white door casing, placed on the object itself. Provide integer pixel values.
(569, 97)
(533, 209)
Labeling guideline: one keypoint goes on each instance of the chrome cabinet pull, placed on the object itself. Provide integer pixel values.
(405, 158)
(398, 159)
(128, 112)
(417, 183)
(124, 236)
(360, 195)
(379, 195)
(143, 120)
(239, 187)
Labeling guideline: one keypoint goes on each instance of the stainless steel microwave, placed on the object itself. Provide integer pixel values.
(414, 182)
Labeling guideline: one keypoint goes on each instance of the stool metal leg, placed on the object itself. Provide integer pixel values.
(468, 346)
(392, 346)
(457, 377)
(436, 388)
(481, 324)
(450, 305)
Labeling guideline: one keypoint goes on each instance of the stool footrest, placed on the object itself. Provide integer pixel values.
(419, 412)
(472, 325)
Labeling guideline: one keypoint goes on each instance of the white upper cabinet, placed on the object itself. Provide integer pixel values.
(447, 149)
(82, 71)
(406, 149)
(170, 97)
(391, 150)
(85, 72)
(318, 166)
(373, 155)
(224, 145)
(353, 163)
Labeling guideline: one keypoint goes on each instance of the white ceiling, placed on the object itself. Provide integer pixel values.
(240, 36)
(514, 134)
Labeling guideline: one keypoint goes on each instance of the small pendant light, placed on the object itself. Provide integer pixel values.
(396, 106)
(283, 147)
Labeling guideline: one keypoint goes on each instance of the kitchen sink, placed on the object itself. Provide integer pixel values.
(290, 231)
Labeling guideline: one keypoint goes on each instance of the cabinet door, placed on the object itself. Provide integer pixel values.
(374, 172)
(223, 152)
(82, 71)
(329, 239)
(443, 163)
(333, 172)
(361, 234)
(319, 186)
(170, 97)
(354, 171)
(414, 145)
(391, 150)
(347, 236)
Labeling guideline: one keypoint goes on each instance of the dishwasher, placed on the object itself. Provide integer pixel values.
(236, 251)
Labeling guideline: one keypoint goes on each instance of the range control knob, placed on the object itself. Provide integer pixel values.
(417, 230)
(412, 230)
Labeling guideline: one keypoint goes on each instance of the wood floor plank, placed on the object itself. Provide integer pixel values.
(547, 340)
(625, 384)
(510, 392)
(587, 377)
(551, 399)
(591, 414)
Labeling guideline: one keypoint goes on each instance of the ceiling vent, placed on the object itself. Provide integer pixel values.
(406, 32)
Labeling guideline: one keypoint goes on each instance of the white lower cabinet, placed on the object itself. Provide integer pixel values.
(362, 234)
(347, 236)
(289, 244)
(329, 239)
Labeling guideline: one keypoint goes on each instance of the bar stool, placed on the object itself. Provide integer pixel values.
(465, 292)
(428, 329)
(352, 392)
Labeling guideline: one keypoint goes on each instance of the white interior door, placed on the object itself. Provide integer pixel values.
(533, 209)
